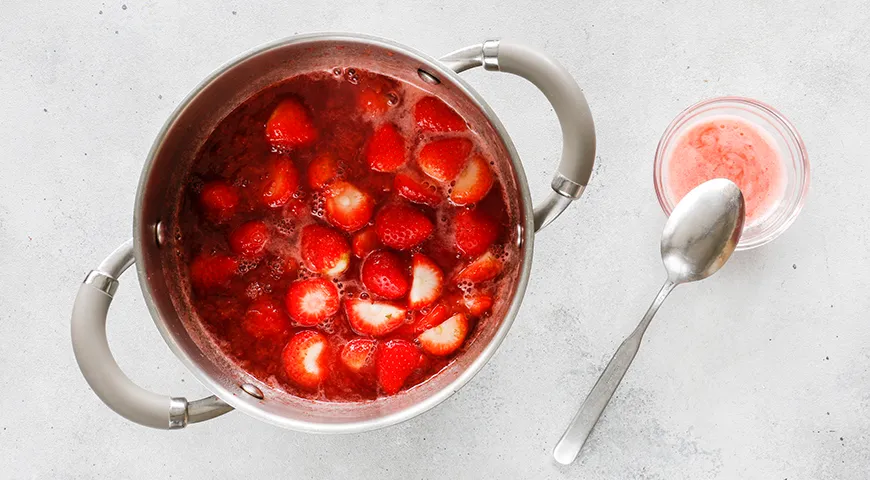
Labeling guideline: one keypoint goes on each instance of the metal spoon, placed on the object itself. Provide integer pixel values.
(698, 238)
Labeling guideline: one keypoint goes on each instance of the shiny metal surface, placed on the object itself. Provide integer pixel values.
(177, 413)
(206, 409)
(252, 390)
(698, 238)
(550, 209)
(102, 282)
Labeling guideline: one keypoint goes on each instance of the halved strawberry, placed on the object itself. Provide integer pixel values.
(281, 182)
(416, 189)
(385, 274)
(483, 268)
(209, 271)
(348, 207)
(373, 102)
(249, 239)
(312, 300)
(306, 359)
(265, 319)
(324, 250)
(321, 171)
(427, 281)
(402, 226)
(368, 317)
(290, 125)
(365, 242)
(424, 321)
(444, 159)
(478, 303)
(218, 200)
(431, 114)
(475, 231)
(473, 183)
(358, 353)
(396, 361)
(445, 338)
(385, 151)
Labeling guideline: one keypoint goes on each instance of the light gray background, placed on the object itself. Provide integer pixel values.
(762, 371)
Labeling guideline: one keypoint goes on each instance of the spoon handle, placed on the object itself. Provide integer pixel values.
(586, 418)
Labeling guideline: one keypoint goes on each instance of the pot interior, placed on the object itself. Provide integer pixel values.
(162, 270)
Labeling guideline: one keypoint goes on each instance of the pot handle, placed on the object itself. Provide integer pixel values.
(560, 88)
(99, 368)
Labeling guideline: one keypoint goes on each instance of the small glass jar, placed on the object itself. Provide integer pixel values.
(793, 155)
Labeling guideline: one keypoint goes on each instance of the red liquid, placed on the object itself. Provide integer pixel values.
(344, 115)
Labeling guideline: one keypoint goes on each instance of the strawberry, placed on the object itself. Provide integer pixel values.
(290, 125)
(483, 268)
(348, 207)
(431, 114)
(427, 281)
(474, 232)
(402, 226)
(416, 189)
(365, 242)
(210, 271)
(444, 159)
(445, 338)
(473, 183)
(265, 319)
(306, 359)
(368, 317)
(281, 182)
(324, 250)
(396, 361)
(249, 239)
(478, 304)
(321, 171)
(358, 353)
(312, 300)
(424, 321)
(219, 200)
(373, 102)
(385, 274)
(385, 151)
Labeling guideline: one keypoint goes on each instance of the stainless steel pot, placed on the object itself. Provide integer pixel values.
(155, 215)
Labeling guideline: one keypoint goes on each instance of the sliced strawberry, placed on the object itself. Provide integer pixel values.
(219, 200)
(265, 319)
(416, 189)
(321, 171)
(296, 208)
(348, 207)
(373, 102)
(324, 250)
(478, 303)
(444, 159)
(475, 231)
(306, 359)
(312, 300)
(483, 268)
(445, 338)
(368, 317)
(427, 281)
(385, 274)
(473, 183)
(281, 182)
(424, 321)
(402, 226)
(211, 271)
(365, 242)
(396, 361)
(249, 239)
(385, 151)
(431, 114)
(358, 353)
(290, 125)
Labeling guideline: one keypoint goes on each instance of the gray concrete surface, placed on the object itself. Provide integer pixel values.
(761, 372)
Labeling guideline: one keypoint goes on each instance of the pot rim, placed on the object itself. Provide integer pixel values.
(249, 406)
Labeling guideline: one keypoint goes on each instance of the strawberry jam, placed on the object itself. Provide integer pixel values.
(344, 236)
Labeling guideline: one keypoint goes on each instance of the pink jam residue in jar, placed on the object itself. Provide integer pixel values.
(728, 147)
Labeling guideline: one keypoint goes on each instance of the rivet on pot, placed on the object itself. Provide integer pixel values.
(252, 390)
(160, 233)
(428, 77)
